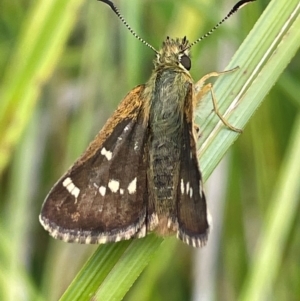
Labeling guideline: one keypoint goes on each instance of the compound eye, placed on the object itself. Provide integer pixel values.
(185, 62)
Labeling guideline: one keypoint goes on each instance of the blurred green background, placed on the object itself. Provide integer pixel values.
(64, 67)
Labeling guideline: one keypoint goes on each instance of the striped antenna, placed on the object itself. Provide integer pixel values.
(117, 12)
(236, 7)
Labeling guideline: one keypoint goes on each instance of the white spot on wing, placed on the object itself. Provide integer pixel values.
(76, 191)
(67, 181)
(132, 186)
(136, 145)
(121, 191)
(187, 187)
(114, 185)
(106, 153)
(69, 185)
(191, 192)
(102, 190)
(182, 186)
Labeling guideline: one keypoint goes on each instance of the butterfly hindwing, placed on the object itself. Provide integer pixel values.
(192, 219)
(88, 203)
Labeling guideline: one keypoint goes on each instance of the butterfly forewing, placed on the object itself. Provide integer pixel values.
(103, 199)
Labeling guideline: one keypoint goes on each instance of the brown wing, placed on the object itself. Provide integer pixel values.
(192, 220)
(101, 197)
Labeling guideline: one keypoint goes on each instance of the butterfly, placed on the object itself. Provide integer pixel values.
(140, 174)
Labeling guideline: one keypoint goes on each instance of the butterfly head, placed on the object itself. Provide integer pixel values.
(174, 53)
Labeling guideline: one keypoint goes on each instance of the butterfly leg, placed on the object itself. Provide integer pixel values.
(201, 89)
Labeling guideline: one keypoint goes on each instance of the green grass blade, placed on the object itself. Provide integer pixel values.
(132, 263)
(40, 44)
(278, 223)
(112, 270)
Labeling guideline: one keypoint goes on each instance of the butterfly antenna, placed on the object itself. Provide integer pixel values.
(236, 7)
(117, 12)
